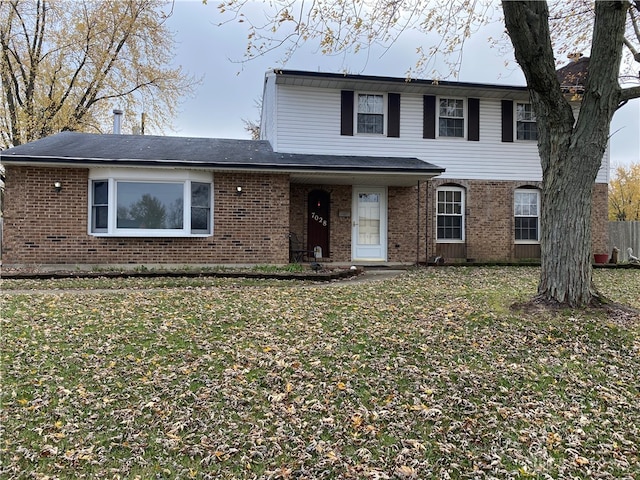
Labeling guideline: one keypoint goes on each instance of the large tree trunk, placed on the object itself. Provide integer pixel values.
(566, 233)
(570, 150)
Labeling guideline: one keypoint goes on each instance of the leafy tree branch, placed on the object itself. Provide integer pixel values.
(66, 65)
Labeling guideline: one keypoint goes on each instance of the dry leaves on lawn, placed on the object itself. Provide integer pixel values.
(427, 375)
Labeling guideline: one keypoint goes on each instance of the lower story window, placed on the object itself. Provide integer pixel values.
(450, 219)
(527, 215)
(149, 203)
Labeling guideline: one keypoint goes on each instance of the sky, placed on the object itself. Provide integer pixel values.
(230, 90)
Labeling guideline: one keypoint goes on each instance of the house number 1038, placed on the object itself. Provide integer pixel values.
(319, 219)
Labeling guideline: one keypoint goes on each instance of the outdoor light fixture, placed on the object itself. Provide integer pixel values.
(238, 190)
(57, 186)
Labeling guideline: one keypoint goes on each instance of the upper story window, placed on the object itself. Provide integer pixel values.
(527, 215)
(450, 214)
(150, 203)
(370, 113)
(451, 117)
(526, 128)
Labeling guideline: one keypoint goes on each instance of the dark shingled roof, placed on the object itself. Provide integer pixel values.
(146, 150)
(573, 76)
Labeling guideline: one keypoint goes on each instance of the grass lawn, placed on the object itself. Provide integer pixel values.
(426, 375)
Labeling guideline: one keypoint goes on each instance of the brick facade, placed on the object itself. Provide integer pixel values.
(489, 222)
(407, 224)
(404, 234)
(45, 227)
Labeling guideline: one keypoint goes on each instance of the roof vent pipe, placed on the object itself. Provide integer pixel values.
(117, 121)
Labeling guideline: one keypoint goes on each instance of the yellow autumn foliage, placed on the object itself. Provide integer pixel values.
(624, 194)
(67, 65)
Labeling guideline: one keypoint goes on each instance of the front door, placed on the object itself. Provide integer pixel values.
(318, 222)
(369, 226)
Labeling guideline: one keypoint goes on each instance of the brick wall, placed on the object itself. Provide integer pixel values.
(402, 230)
(489, 221)
(341, 223)
(407, 224)
(45, 227)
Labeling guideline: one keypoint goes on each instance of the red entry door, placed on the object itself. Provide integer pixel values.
(318, 221)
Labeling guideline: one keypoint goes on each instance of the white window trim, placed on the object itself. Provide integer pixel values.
(113, 175)
(465, 118)
(515, 122)
(526, 190)
(385, 105)
(462, 215)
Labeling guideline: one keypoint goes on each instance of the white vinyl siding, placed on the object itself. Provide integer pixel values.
(269, 113)
(297, 131)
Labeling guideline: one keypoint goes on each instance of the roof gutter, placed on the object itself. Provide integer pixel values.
(101, 163)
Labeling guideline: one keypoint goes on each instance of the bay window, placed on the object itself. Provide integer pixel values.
(135, 203)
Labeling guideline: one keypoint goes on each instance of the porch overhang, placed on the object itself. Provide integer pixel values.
(358, 170)
(359, 178)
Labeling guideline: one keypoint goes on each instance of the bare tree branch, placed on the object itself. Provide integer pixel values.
(64, 64)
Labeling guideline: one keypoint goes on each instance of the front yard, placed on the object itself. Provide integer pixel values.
(429, 374)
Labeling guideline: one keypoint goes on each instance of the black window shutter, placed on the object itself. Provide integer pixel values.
(346, 115)
(507, 120)
(393, 111)
(473, 128)
(429, 116)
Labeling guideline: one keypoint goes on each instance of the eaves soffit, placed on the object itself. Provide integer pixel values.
(400, 85)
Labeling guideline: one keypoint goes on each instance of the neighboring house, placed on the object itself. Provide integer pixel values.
(368, 169)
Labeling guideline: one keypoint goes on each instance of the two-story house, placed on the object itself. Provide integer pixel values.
(484, 206)
(360, 169)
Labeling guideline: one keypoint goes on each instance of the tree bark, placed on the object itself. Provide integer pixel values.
(571, 150)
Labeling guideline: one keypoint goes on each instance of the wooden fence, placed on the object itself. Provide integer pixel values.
(624, 235)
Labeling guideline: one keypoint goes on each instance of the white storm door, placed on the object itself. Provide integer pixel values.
(369, 224)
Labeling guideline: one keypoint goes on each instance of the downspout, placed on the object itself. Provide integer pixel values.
(426, 223)
(418, 227)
